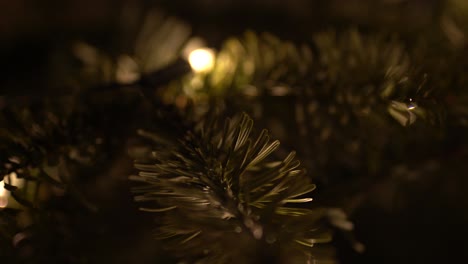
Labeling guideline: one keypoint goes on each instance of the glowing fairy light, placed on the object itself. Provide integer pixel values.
(201, 60)
(3, 195)
(11, 179)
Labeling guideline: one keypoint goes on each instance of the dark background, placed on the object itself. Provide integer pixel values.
(431, 228)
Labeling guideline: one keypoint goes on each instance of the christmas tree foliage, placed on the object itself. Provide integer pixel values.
(152, 137)
(223, 201)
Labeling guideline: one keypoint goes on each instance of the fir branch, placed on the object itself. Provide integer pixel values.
(334, 91)
(219, 194)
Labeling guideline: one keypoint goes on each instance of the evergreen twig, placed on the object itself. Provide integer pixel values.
(221, 198)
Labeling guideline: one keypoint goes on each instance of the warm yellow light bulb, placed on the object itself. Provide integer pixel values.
(11, 179)
(201, 60)
(3, 196)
